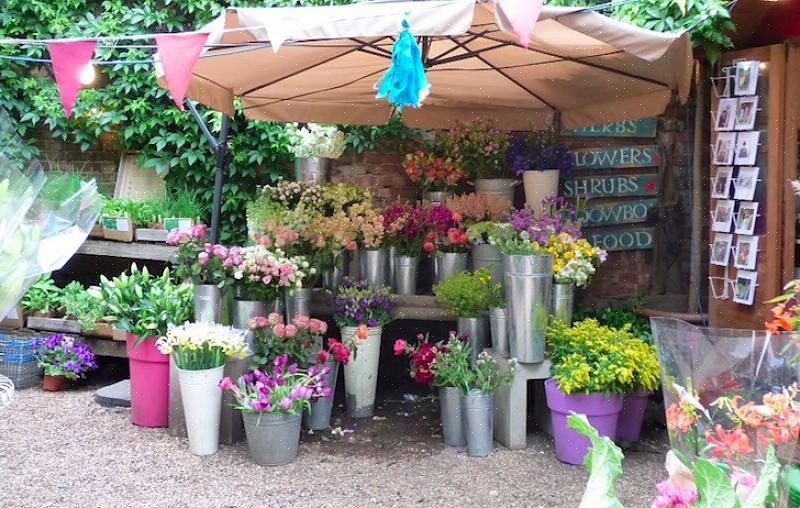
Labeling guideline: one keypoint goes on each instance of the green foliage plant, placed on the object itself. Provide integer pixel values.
(42, 297)
(485, 376)
(617, 316)
(466, 294)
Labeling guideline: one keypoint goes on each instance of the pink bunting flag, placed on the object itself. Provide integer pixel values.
(178, 53)
(522, 14)
(69, 57)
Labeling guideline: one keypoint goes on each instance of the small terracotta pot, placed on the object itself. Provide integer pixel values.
(53, 383)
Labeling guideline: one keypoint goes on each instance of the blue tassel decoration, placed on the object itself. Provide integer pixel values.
(404, 82)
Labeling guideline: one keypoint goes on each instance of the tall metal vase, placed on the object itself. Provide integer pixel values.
(498, 325)
(361, 373)
(298, 302)
(207, 303)
(448, 264)
(332, 277)
(319, 416)
(373, 266)
(312, 169)
(478, 414)
(452, 419)
(529, 280)
(489, 256)
(436, 197)
(391, 267)
(563, 302)
(406, 275)
(477, 332)
(243, 310)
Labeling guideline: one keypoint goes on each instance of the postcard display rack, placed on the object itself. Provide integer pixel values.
(747, 188)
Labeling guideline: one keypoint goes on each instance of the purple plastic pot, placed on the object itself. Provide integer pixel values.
(629, 425)
(601, 410)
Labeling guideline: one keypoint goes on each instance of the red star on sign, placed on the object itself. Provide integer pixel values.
(650, 186)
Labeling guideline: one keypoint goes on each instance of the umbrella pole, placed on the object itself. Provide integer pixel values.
(220, 149)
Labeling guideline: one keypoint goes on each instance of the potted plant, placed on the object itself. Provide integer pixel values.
(477, 386)
(441, 365)
(200, 351)
(645, 382)
(361, 312)
(41, 299)
(206, 266)
(592, 369)
(467, 296)
(144, 306)
(405, 227)
(370, 236)
(539, 157)
(479, 214)
(447, 238)
(529, 280)
(314, 147)
(261, 278)
(479, 148)
(62, 358)
(271, 403)
(434, 175)
(318, 416)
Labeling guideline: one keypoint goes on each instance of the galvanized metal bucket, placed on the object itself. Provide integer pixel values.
(332, 277)
(563, 302)
(485, 255)
(298, 302)
(391, 267)
(244, 310)
(207, 303)
(452, 419)
(448, 264)
(436, 197)
(272, 439)
(478, 413)
(319, 416)
(312, 169)
(406, 275)
(477, 332)
(500, 187)
(361, 373)
(529, 281)
(373, 266)
(498, 325)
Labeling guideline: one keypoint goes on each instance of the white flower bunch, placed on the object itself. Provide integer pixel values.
(316, 140)
(578, 271)
(271, 268)
(197, 346)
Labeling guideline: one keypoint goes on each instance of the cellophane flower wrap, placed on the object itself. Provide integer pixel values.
(199, 261)
(479, 147)
(731, 401)
(316, 140)
(282, 387)
(264, 274)
(62, 355)
(538, 151)
(201, 346)
(357, 304)
(299, 339)
(574, 260)
(432, 173)
(406, 227)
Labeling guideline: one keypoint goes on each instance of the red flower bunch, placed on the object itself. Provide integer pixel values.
(336, 349)
(432, 173)
(405, 227)
(422, 356)
(445, 231)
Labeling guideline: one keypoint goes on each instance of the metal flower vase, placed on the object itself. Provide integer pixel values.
(312, 169)
(477, 331)
(332, 277)
(244, 310)
(272, 438)
(489, 256)
(529, 281)
(207, 303)
(319, 416)
(406, 275)
(361, 373)
(478, 415)
(500, 187)
(498, 326)
(202, 402)
(436, 197)
(448, 264)
(373, 267)
(452, 419)
(298, 302)
(391, 267)
(563, 302)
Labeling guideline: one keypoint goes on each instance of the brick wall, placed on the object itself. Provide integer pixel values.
(381, 172)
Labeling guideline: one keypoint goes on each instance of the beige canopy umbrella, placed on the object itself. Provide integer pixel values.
(321, 64)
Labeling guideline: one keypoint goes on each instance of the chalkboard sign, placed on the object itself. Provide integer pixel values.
(641, 128)
(641, 156)
(634, 238)
(618, 212)
(611, 186)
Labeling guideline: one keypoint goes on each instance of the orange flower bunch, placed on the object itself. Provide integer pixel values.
(368, 225)
(474, 208)
(786, 314)
(726, 444)
(432, 173)
(681, 416)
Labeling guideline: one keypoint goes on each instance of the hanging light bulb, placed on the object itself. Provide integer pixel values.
(87, 75)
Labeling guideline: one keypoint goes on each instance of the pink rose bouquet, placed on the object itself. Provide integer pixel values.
(300, 339)
(199, 261)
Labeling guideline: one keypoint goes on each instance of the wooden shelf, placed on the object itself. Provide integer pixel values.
(145, 251)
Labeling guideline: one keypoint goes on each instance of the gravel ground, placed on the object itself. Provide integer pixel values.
(65, 450)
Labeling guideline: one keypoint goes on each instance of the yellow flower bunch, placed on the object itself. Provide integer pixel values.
(590, 358)
(574, 260)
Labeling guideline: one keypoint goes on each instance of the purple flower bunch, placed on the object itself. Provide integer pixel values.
(538, 151)
(62, 355)
(559, 216)
(358, 304)
(287, 389)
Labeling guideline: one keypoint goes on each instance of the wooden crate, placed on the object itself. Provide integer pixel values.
(54, 324)
(119, 334)
(102, 330)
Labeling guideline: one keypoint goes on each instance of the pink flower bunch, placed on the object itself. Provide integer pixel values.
(298, 339)
(336, 349)
(671, 495)
(422, 356)
(276, 235)
(406, 227)
(200, 261)
(263, 273)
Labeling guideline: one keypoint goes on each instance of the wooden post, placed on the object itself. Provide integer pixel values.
(696, 262)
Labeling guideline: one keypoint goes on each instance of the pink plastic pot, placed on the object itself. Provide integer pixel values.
(629, 425)
(602, 412)
(149, 383)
